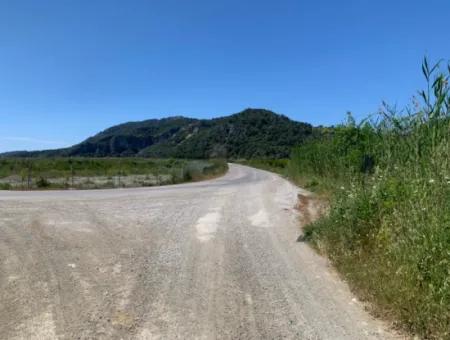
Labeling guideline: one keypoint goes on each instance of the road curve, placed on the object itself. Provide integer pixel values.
(208, 260)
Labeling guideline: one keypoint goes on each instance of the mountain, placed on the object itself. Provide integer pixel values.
(249, 134)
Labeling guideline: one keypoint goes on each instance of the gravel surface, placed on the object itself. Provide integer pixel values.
(207, 260)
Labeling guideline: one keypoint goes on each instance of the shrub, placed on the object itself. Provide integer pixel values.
(42, 183)
(388, 227)
(5, 186)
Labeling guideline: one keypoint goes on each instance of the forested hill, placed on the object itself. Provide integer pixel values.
(250, 133)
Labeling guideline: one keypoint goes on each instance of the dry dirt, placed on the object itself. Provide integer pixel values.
(208, 260)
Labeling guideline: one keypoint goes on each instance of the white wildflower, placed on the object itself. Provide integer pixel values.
(431, 181)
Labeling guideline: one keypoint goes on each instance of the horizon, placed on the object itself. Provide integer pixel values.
(71, 70)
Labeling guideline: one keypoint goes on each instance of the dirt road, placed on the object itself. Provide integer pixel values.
(207, 260)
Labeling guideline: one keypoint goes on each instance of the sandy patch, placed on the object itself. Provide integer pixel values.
(207, 226)
(260, 219)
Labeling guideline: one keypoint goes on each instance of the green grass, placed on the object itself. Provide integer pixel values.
(82, 173)
(388, 226)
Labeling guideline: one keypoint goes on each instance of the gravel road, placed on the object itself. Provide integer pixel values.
(208, 260)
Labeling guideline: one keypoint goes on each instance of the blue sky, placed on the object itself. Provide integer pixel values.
(70, 68)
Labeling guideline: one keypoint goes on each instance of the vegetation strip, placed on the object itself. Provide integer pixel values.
(97, 173)
(388, 226)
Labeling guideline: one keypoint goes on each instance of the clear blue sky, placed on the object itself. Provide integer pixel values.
(69, 68)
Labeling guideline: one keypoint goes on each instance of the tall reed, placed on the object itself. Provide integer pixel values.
(388, 228)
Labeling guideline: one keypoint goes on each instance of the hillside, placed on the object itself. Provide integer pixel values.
(250, 133)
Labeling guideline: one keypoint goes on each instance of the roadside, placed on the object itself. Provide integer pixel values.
(387, 183)
(313, 205)
(313, 202)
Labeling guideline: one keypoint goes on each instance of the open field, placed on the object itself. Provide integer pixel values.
(96, 173)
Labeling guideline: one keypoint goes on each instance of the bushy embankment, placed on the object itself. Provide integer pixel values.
(92, 173)
(388, 227)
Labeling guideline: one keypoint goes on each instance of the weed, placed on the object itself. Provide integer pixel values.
(388, 227)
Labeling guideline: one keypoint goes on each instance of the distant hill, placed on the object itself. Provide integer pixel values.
(249, 134)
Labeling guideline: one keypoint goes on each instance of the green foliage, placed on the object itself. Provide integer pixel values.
(42, 183)
(337, 153)
(249, 134)
(22, 173)
(388, 228)
(5, 186)
(252, 133)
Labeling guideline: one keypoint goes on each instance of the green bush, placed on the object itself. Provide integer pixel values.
(388, 227)
(42, 183)
(5, 186)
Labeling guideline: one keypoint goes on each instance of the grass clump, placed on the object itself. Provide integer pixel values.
(388, 226)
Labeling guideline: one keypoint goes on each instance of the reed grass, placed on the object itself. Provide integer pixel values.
(388, 227)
